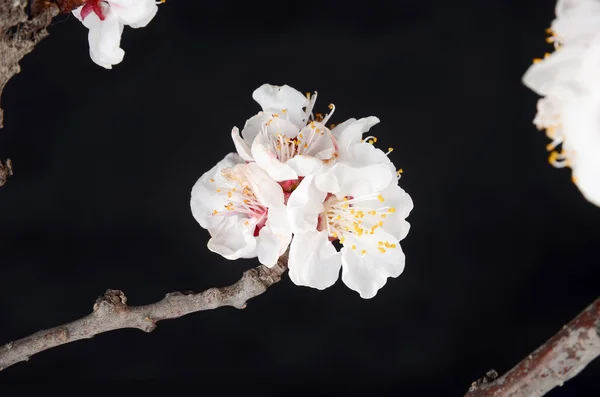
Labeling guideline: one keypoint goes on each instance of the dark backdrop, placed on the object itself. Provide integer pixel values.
(502, 250)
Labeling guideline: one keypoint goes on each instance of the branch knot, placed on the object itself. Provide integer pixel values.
(112, 300)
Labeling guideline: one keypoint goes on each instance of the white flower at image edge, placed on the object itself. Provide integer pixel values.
(243, 210)
(284, 138)
(105, 21)
(360, 206)
(569, 81)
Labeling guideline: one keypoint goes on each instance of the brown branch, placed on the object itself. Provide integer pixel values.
(111, 313)
(561, 358)
(18, 35)
(6, 171)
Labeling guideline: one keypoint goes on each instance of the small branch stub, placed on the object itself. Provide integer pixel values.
(6, 171)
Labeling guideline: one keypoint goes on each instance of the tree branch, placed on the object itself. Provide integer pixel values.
(561, 358)
(19, 34)
(111, 313)
(6, 171)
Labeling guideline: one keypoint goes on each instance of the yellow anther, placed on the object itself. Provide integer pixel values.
(275, 115)
(380, 224)
(380, 198)
(344, 206)
(537, 60)
(574, 179)
(371, 141)
(331, 126)
(246, 223)
(383, 215)
(391, 209)
(380, 242)
(300, 136)
(342, 240)
(334, 235)
(330, 106)
(215, 212)
(212, 180)
(353, 246)
(283, 110)
(218, 190)
(381, 249)
(549, 40)
(393, 246)
(363, 252)
(339, 217)
(390, 149)
(399, 171)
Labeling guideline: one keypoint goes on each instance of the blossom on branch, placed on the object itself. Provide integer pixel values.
(106, 19)
(243, 210)
(292, 175)
(569, 81)
(358, 203)
(284, 138)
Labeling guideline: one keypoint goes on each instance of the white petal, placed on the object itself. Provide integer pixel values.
(253, 126)
(266, 190)
(77, 13)
(366, 274)
(304, 165)
(240, 145)
(233, 239)
(313, 260)
(268, 247)
(135, 13)
(304, 206)
(343, 180)
(581, 123)
(562, 67)
(265, 156)
(394, 222)
(205, 199)
(274, 98)
(275, 237)
(577, 21)
(322, 143)
(586, 175)
(352, 130)
(105, 38)
(364, 154)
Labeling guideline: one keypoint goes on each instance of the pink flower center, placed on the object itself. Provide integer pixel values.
(288, 187)
(94, 6)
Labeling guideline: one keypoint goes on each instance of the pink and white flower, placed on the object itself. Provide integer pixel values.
(285, 139)
(243, 210)
(106, 19)
(357, 202)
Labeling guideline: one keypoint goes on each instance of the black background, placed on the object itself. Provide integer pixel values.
(502, 250)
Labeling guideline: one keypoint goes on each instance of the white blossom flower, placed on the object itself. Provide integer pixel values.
(569, 81)
(243, 210)
(357, 202)
(284, 138)
(105, 20)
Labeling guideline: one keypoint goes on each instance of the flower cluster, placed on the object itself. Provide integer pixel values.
(296, 182)
(106, 19)
(569, 81)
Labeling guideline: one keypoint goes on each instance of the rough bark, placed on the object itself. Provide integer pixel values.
(561, 358)
(111, 312)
